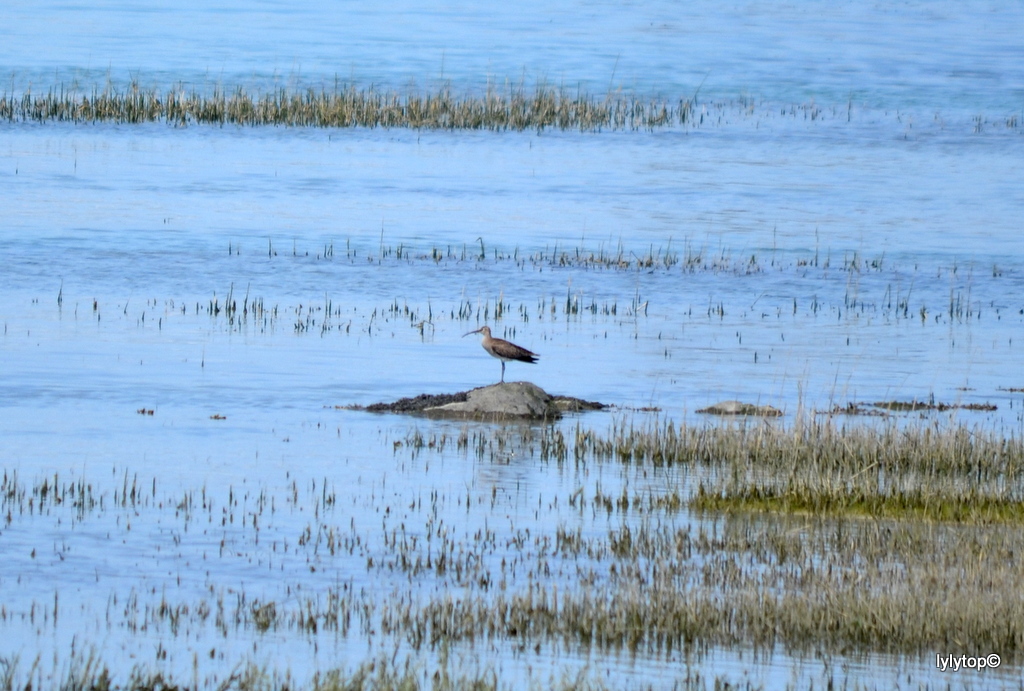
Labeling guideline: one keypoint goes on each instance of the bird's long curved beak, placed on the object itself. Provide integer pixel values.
(472, 332)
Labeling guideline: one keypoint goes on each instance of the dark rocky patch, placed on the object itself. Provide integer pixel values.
(512, 400)
(418, 403)
(568, 404)
(910, 406)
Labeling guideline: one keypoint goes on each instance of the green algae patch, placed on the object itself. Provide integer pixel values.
(980, 510)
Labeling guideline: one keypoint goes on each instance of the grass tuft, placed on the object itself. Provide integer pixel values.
(513, 108)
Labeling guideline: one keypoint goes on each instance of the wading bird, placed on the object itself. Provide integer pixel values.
(503, 350)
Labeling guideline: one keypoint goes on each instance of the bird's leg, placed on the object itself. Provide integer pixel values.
(502, 371)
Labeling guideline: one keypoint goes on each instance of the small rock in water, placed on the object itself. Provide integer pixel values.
(740, 408)
(511, 400)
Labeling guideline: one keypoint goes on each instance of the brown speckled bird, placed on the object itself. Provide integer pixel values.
(502, 349)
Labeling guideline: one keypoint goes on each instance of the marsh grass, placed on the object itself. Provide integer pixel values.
(846, 277)
(914, 505)
(933, 568)
(821, 587)
(915, 471)
(512, 108)
(89, 673)
(321, 314)
(588, 574)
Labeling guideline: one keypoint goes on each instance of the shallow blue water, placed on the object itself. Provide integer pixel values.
(949, 56)
(846, 159)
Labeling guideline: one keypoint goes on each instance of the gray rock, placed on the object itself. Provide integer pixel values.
(506, 401)
(509, 400)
